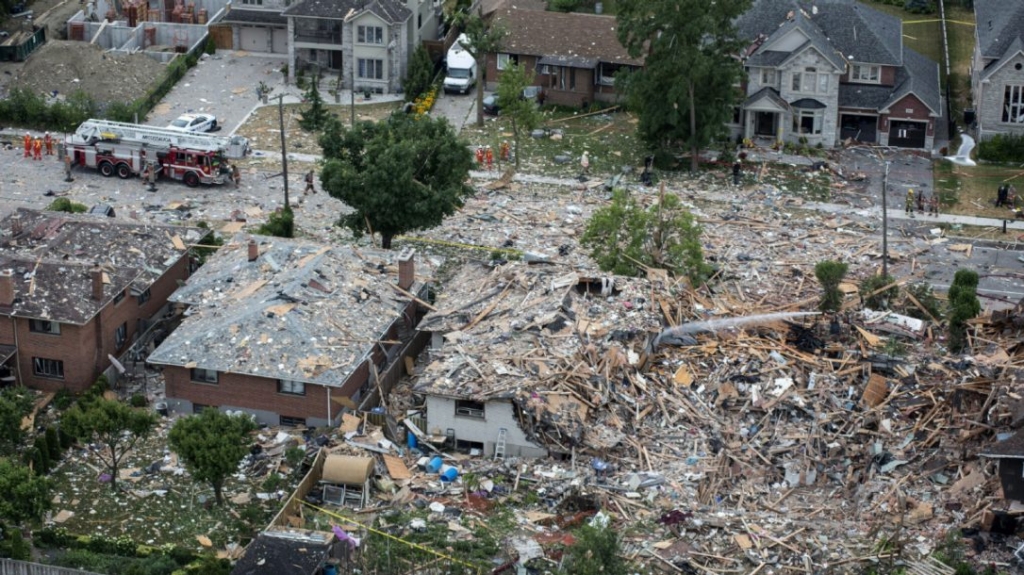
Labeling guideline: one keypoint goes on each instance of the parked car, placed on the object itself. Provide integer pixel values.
(194, 123)
(532, 93)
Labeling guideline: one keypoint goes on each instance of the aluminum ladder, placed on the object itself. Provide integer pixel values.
(499, 446)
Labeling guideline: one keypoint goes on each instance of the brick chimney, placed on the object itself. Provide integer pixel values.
(97, 283)
(6, 288)
(16, 225)
(254, 250)
(407, 269)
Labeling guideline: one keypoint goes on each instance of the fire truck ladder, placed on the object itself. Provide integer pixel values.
(157, 137)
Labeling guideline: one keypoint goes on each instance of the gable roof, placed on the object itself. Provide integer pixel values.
(1000, 23)
(54, 254)
(919, 76)
(815, 39)
(1015, 47)
(391, 11)
(285, 552)
(572, 36)
(857, 31)
(300, 311)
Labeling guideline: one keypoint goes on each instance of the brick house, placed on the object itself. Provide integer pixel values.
(368, 42)
(834, 70)
(574, 56)
(508, 342)
(997, 70)
(288, 330)
(78, 290)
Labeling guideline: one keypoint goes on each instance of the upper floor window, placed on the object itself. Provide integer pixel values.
(291, 387)
(810, 82)
(369, 35)
(44, 326)
(767, 76)
(121, 335)
(203, 375)
(120, 296)
(1013, 105)
(866, 74)
(144, 297)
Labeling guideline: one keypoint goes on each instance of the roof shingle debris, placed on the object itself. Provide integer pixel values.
(298, 310)
(52, 256)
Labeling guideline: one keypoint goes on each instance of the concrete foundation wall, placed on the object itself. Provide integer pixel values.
(497, 414)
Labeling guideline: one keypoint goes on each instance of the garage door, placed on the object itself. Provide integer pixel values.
(254, 39)
(905, 134)
(860, 128)
(280, 41)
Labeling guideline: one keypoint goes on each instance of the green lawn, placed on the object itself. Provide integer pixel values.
(972, 191)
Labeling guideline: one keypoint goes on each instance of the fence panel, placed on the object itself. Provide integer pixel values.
(12, 567)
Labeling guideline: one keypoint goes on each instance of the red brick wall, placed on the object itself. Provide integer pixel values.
(245, 391)
(898, 111)
(888, 75)
(583, 94)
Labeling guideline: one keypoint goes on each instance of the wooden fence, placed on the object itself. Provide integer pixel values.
(292, 505)
(12, 567)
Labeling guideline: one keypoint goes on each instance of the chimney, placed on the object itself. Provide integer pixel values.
(7, 288)
(254, 250)
(407, 269)
(97, 283)
(15, 225)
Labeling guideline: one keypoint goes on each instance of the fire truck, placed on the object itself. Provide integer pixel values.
(128, 150)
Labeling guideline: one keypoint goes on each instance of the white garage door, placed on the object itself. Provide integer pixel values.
(254, 39)
(281, 41)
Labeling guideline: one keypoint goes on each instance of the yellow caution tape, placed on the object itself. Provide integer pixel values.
(477, 568)
(932, 21)
(458, 245)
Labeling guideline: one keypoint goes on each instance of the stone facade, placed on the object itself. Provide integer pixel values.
(990, 94)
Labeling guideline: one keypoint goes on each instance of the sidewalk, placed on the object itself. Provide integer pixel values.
(1011, 224)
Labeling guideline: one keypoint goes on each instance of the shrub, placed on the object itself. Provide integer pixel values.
(281, 223)
(881, 299)
(563, 5)
(964, 305)
(924, 295)
(65, 438)
(44, 455)
(66, 205)
(20, 550)
(52, 537)
(53, 443)
(1006, 148)
(211, 46)
(139, 400)
(830, 274)
(63, 399)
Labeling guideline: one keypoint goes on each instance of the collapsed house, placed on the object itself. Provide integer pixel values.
(524, 357)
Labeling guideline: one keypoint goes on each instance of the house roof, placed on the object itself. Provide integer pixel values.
(919, 76)
(489, 7)
(858, 32)
(571, 35)
(769, 95)
(1015, 47)
(238, 16)
(301, 311)
(391, 11)
(285, 552)
(816, 39)
(52, 258)
(1000, 23)
(1013, 448)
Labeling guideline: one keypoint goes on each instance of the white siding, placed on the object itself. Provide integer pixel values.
(497, 414)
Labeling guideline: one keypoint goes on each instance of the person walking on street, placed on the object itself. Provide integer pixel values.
(48, 142)
(908, 207)
(28, 144)
(309, 183)
(736, 168)
(37, 149)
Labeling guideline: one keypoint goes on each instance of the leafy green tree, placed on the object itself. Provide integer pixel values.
(211, 444)
(563, 5)
(881, 299)
(401, 174)
(523, 113)
(315, 116)
(280, 223)
(595, 552)
(420, 74)
(483, 39)
(830, 274)
(623, 236)
(112, 424)
(25, 495)
(686, 90)
(963, 305)
(45, 465)
(15, 404)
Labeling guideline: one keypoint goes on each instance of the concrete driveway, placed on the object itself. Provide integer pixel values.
(459, 109)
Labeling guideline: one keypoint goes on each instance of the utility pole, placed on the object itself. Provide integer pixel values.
(885, 222)
(284, 151)
(352, 106)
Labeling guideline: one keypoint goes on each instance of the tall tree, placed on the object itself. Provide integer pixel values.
(401, 174)
(15, 403)
(686, 90)
(483, 40)
(211, 444)
(314, 117)
(26, 495)
(523, 113)
(419, 75)
(112, 424)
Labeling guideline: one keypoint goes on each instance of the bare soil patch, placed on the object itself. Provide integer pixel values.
(263, 128)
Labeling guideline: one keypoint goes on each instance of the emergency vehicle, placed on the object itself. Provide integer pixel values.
(129, 149)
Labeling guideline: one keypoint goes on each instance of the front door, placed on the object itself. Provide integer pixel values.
(765, 124)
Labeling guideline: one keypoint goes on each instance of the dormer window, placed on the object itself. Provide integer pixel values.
(872, 74)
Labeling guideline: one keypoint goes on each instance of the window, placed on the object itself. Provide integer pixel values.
(737, 115)
(866, 74)
(369, 35)
(419, 21)
(292, 421)
(144, 297)
(44, 326)
(503, 60)
(204, 375)
(291, 387)
(43, 367)
(464, 408)
(545, 70)
(252, 2)
(795, 86)
(572, 79)
(808, 121)
(120, 296)
(822, 83)
(198, 408)
(371, 69)
(1013, 105)
(809, 81)
(767, 76)
(121, 335)
(606, 73)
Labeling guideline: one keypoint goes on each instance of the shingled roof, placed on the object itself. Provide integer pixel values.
(54, 253)
(570, 36)
(300, 311)
(389, 10)
(1000, 24)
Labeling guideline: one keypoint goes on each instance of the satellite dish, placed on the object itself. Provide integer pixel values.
(963, 155)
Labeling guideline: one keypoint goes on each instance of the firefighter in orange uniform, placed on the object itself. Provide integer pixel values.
(37, 149)
(48, 142)
(28, 144)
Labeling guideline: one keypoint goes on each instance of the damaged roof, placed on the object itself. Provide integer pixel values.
(285, 552)
(300, 311)
(51, 255)
(572, 35)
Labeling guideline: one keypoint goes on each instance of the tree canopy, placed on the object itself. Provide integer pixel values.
(25, 495)
(419, 75)
(211, 444)
(686, 90)
(15, 403)
(401, 174)
(523, 113)
(483, 39)
(112, 424)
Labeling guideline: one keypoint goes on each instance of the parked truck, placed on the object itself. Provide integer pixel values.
(461, 74)
(129, 150)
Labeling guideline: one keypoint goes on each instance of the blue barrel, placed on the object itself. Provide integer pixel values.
(449, 473)
(434, 465)
(410, 439)
(330, 570)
